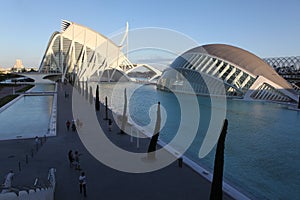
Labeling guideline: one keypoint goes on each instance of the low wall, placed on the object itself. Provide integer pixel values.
(53, 117)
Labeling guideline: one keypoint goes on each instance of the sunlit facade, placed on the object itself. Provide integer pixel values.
(84, 53)
(210, 68)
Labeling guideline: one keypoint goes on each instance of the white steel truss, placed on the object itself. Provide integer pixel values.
(86, 54)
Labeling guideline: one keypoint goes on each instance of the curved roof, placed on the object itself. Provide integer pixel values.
(243, 59)
(89, 34)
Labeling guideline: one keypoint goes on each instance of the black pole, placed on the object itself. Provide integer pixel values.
(299, 102)
(106, 109)
(19, 166)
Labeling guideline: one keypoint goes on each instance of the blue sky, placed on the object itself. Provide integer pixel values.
(264, 27)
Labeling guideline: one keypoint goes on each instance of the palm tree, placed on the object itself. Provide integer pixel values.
(82, 88)
(78, 86)
(86, 90)
(91, 95)
(124, 118)
(97, 103)
(154, 139)
(106, 109)
(216, 191)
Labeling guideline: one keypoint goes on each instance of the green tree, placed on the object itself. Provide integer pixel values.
(154, 139)
(216, 191)
(97, 102)
(91, 95)
(86, 90)
(124, 118)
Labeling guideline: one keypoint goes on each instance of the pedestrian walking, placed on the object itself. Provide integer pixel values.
(68, 124)
(66, 95)
(73, 126)
(76, 161)
(109, 124)
(82, 183)
(36, 141)
(8, 181)
(71, 158)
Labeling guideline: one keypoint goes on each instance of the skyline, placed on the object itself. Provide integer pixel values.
(263, 28)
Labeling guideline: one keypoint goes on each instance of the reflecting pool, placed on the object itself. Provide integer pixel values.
(27, 117)
(262, 157)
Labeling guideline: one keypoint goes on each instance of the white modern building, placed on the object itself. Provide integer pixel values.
(78, 51)
(211, 68)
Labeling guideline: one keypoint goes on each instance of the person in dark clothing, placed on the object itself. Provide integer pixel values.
(68, 123)
(73, 126)
(76, 161)
(109, 124)
(71, 158)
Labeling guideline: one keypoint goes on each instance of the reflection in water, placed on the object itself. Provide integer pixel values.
(28, 117)
(43, 88)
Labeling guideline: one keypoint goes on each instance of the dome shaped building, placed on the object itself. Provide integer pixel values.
(209, 69)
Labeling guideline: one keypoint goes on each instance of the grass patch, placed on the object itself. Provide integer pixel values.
(7, 99)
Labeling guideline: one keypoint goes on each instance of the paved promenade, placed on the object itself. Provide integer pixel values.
(171, 182)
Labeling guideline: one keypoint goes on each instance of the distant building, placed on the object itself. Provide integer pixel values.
(4, 70)
(18, 67)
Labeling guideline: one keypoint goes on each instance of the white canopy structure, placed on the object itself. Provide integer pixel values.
(78, 51)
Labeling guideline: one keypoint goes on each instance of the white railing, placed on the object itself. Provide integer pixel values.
(33, 193)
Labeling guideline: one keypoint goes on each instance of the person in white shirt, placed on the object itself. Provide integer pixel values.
(82, 183)
(8, 181)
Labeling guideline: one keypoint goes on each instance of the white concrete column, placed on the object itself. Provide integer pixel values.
(206, 64)
(237, 78)
(230, 74)
(224, 70)
(217, 68)
(202, 62)
(246, 81)
(211, 66)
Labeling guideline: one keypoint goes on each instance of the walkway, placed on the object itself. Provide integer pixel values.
(172, 182)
